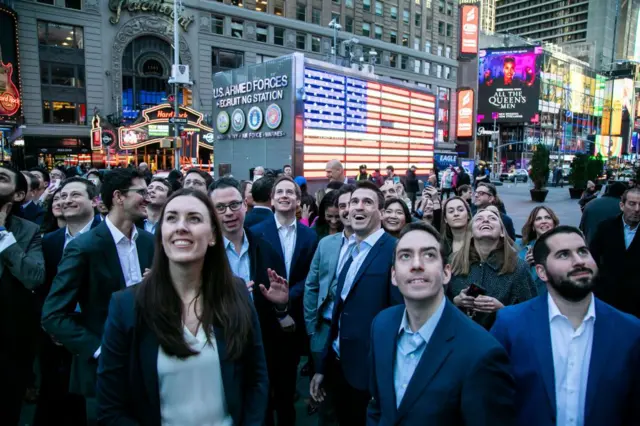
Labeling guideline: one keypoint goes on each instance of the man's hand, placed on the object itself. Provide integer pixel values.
(315, 388)
(288, 324)
(278, 291)
(250, 286)
(4, 212)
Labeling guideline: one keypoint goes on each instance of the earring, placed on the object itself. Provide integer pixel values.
(212, 243)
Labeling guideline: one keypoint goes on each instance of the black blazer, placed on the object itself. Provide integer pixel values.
(257, 215)
(33, 213)
(127, 389)
(619, 281)
(88, 274)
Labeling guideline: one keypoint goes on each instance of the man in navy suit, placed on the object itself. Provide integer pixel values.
(575, 359)
(261, 194)
(285, 339)
(30, 210)
(431, 365)
(363, 290)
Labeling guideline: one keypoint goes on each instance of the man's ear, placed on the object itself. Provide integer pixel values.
(19, 196)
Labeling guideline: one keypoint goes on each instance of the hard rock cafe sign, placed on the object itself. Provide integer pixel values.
(160, 7)
(9, 78)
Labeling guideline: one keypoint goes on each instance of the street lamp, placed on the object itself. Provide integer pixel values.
(336, 27)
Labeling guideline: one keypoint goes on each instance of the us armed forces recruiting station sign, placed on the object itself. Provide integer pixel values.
(255, 102)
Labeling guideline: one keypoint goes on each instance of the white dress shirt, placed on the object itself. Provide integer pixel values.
(571, 358)
(347, 245)
(127, 253)
(287, 234)
(68, 237)
(359, 253)
(191, 390)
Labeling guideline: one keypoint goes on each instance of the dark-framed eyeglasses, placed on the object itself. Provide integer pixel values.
(234, 206)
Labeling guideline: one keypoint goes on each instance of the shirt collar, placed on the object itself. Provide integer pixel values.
(86, 228)
(426, 331)
(554, 312)
(628, 227)
(25, 205)
(117, 235)
(372, 239)
(228, 245)
(280, 226)
(263, 207)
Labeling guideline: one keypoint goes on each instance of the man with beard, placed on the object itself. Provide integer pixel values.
(21, 272)
(110, 257)
(574, 358)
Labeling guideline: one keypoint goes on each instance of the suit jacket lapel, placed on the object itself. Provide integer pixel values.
(387, 359)
(375, 250)
(110, 252)
(541, 338)
(603, 341)
(435, 355)
(300, 243)
(226, 366)
(144, 247)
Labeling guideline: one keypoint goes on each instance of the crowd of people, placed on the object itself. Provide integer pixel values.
(189, 301)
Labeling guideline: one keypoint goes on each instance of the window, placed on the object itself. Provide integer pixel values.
(378, 32)
(441, 6)
(236, 3)
(349, 3)
(315, 44)
(393, 60)
(57, 74)
(301, 12)
(366, 29)
(348, 24)
(447, 52)
(261, 5)
(427, 46)
(440, 48)
(429, 22)
(449, 30)
(262, 32)
(366, 5)
(394, 12)
(416, 66)
(393, 37)
(217, 24)
(237, 28)
(405, 16)
(278, 36)
(73, 4)
(447, 72)
(47, 1)
(418, 2)
(417, 20)
(426, 67)
(278, 7)
(224, 59)
(403, 62)
(405, 40)
(316, 16)
(336, 1)
(59, 35)
(449, 9)
(439, 71)
(301, 41)
(379, 7)
(441, 28)
(263, 58)
(56, 112)
(335, 16)
(417, 43)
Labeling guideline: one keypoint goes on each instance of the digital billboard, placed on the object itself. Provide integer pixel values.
(602, 146)
(359, 121)
(464, 126)
(509, 84)
(10, 99)
(469, 24)
(623, 96)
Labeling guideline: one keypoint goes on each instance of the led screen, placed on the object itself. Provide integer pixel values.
(359, 121)
(509, 84)
(602, 146)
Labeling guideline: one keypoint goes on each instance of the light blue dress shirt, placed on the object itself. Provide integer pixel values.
(359, 254)
(239, 263)
(629, 233)
(150, 226)
(410, 348)
(68, 237)
(571, 351)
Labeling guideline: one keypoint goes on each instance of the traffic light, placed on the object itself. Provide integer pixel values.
(187, 97)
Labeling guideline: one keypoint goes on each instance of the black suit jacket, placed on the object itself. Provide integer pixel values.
(33, 213)
(619, 282)
(127, 388)
(256, 215)
(88, 274)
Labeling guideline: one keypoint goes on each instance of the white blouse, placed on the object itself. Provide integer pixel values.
(191, 390)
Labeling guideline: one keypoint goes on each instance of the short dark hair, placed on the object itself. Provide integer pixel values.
(92, 190)
(346, 188)
(163, 181)
(243, 186)
(226, 182)
(634, 190)
(491, 187)
(261, 189)
(117, 180)
(20, 181)
(403, 205)
(287, 165)
(334, 185)
(365, 184)
(390, 168)
(208, 180)
(44, 172)
(463, 188)
(281, 179)
(34, 181)
(429, 229)
(541, 249)
(95, 173)
(616, 189)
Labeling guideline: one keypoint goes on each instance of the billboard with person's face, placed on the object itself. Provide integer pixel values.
(509, 84)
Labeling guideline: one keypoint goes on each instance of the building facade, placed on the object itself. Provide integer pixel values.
(82, 58)
(488, 15)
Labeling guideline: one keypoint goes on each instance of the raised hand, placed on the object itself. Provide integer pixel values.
(278, 291)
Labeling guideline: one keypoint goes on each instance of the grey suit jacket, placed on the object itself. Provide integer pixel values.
(321, 274)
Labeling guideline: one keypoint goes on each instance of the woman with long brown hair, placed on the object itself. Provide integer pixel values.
(456, 216)
(487, 274)
(184, 347)
(541, 220)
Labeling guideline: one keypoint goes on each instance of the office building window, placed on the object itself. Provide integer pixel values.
(316, 16)
(349, 3)
(301, 41)
(348, 24)
(301, 12)
(405, 40)
(335, 16)
(394, 12)
(262, 33)
(73, 4)
(366, 5)
(278, 7)
(378, 32)
(426, 67)
(263, 58)
(59, 35)
(428, 22)
(417, 20)
(366, 29)
(441, 28)
(393, 37)
(57, 74)
(403, 62)
(447, 72)
(449, 30)
(217, 24)
(441, 6)
(450, 9)
(439, 71)
(224, 59)
(278, 36)
(416, 66)
(427, 46)
(418, 2)
(237, 28)
(379, 8)
(417, 42)
(393, 60)
(236, 3)
(47, 1)
(315, 44)
(336, 1)
(440, 48)
(55, 112)
(405, 16)
(447, 52)
(261, 6)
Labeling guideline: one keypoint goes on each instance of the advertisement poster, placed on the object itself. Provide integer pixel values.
(10, 100)
(469, 23)
(464, 127)
(622, 99)
(509, 84)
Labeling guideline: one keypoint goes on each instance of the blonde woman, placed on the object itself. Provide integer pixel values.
(487, 274)
(456, 216)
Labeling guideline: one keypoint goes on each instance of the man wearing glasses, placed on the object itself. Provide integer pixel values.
(486, 195)
(97, 263)
(197, 180)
